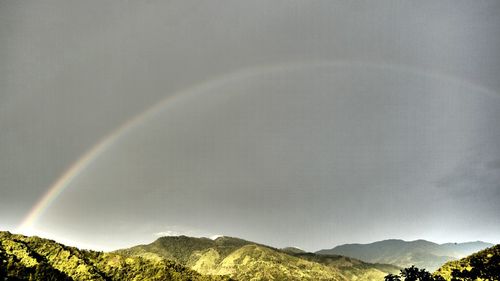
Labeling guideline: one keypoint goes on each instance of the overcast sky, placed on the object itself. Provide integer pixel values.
(294, 123)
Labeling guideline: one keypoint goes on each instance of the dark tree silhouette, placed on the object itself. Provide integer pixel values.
(413, 274)
(392, 277)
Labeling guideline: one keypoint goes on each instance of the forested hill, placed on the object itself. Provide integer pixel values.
(34, 258)
(483, 265)
(245, 260)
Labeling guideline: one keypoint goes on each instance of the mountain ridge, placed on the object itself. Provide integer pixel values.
(190, 258)
(34, 258)
(247, 260)
(421, 253)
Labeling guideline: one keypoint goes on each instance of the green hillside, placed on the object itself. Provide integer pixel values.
(421, 253)
(181, 248)
(351, 268)
(245, 260)
(484, 265)
(252, 262)
(240, 259)
(34, 258)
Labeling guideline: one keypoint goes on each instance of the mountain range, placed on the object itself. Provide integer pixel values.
(34, 258)
(224, 258)
(246, 260)
(421, 253)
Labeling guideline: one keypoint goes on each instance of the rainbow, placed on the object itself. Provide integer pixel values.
(64, 181)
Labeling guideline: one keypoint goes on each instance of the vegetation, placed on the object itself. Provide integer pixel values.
(245, 260)
(240, 259)
(484, 265)
(181, 248)
(34, 258)
(350, 268)
(199, 259)
(174, 258)
(413, 274)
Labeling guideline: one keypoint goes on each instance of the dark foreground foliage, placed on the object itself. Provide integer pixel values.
(413, 274)
(483, 265)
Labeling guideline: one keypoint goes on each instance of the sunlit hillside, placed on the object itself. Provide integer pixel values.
(34, 258)
(484, 265)
(245, 260)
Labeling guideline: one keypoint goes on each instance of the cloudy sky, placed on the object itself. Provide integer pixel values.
(304, 123)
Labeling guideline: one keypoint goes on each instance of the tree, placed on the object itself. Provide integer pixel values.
(413, 274)
(482, 267)
(392, 277)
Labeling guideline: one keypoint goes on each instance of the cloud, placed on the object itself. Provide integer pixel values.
(167, 233)
(176, 230)
(181, 230)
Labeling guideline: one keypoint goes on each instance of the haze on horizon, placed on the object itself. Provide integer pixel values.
(289, 123)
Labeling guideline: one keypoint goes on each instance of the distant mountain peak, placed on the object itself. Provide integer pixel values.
(421, 253)
(293, 250)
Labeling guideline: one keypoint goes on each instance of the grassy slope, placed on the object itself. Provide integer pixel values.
(34, 258)
(351, 268)
(253, 262)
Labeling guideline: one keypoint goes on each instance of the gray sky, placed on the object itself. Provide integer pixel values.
(303, 123)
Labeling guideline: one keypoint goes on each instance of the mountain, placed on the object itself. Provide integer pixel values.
(350, 268)
(34, 258)
(181, 248)
(421, 253)
(245, 260)
(292, 250)
(484, 264)
(175, 258)
(240, 259)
